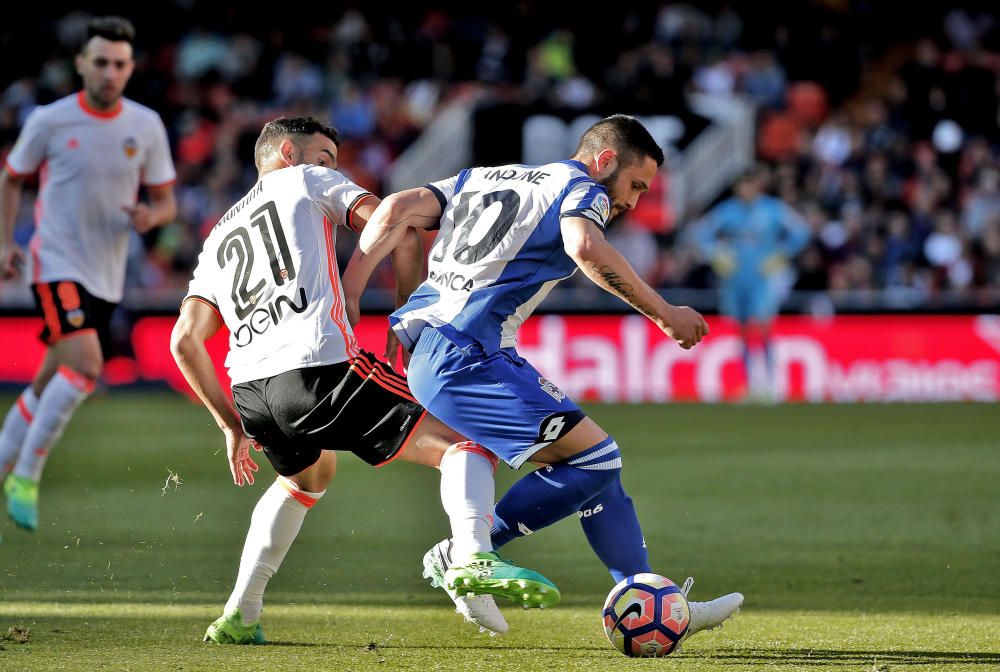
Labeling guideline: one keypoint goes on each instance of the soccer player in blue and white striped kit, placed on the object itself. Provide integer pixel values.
(506, 236)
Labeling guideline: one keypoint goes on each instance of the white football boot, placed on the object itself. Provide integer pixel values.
(479, 609)
(710, 615)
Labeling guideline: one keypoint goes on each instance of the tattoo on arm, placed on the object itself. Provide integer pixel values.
(620, 287)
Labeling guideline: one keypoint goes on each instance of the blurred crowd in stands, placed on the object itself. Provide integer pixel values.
(883, 136)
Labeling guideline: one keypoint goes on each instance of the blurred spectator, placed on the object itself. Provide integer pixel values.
(716, 77)
(895, 170)
(764, 81)
(353, 113)
(982, 208)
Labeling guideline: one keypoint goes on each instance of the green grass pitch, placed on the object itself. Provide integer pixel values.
(865, 538)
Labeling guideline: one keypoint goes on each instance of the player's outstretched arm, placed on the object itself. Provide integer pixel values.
(407, 256)
(603, 264)
(197, 323)
(11, 256)
(407, 269)
(386, 228)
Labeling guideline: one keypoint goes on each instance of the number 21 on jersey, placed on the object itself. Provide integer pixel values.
(239, 245)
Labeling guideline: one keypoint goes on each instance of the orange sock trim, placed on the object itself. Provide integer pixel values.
(79, 381)
(23, 407)
(473, 447)
(299, 496)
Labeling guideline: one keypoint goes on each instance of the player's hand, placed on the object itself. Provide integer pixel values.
(142, 217)
(241, 465)
(723, 264)
(773, 264)
(392, 348)
(686, 326)
(11, 262)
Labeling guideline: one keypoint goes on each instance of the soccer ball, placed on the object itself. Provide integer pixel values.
(645, 616)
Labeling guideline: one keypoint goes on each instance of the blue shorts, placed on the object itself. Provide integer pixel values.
(498, 400)
(748, 299)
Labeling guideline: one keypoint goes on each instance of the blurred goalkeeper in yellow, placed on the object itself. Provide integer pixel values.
(748, 239)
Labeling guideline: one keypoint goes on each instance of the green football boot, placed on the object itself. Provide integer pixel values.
(491, 574)
(229, 629)
(22, 501)
(479, 609)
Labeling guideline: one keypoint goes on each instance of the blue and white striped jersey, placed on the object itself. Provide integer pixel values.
(499, 250)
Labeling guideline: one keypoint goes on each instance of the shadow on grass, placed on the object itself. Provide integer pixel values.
(419, 599)
(873, 659)
(376, 647)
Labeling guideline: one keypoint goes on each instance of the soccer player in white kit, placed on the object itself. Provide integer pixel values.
(302, 388)
(93, 150)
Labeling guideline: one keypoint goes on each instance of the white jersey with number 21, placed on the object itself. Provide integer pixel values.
(269, 268)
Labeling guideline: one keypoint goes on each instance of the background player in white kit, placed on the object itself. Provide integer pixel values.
(301, 386)
(94, 149)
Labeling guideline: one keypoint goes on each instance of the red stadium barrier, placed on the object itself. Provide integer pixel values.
(624, 358)
(849, 358)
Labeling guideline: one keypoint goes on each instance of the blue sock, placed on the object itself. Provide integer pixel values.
(554, 492)
(613, 530)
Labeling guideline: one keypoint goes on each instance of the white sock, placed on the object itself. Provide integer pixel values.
(60, 398)
(15, 426)
(275, 523)
(467, 493)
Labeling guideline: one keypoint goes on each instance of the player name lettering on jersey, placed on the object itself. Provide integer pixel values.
(242, 203)
(451, 280)
(532, 176)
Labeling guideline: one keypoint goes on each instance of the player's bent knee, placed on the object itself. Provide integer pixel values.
(317, 477)
(87, 367)
(92, 370)
(429, 442)
(602, 463)
(473, 448)
(81, 351)
(79, 379)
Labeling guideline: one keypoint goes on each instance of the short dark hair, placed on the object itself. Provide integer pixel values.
(111, 28)
(296, 128)
(625, 135)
